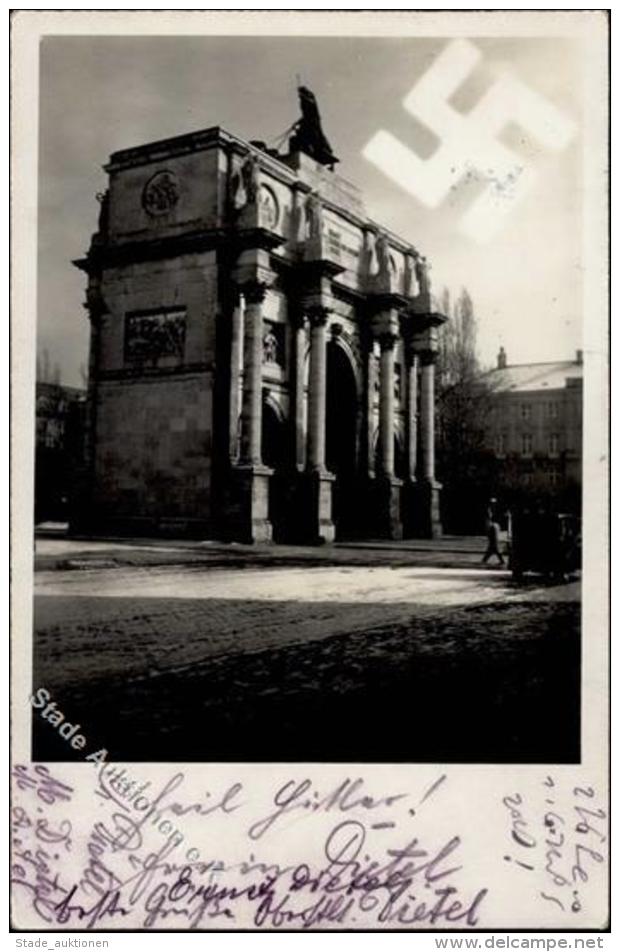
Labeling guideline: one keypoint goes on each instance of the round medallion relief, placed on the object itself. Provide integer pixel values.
(161, 193)
(269, 208)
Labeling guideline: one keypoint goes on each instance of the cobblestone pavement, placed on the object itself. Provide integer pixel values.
(320, 662)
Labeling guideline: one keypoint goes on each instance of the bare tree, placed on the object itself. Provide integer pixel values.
(465, 466)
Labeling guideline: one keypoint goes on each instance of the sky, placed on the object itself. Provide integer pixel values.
(100, 94)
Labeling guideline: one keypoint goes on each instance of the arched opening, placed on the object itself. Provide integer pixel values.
(275, 456)
(341, 439)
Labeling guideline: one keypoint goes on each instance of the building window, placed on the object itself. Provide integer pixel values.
(526, 411)
(500, 444)
(553, 410)
(526, 444)
(554, 442)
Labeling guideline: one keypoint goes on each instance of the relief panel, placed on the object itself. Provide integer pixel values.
(155, 336)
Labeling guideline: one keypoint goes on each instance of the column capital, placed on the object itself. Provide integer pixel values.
(428, 358)
(407, 330)
(387, 340)
(412, 356)
(253, 291)
(298, 319)
(385, 324)
(317, 314)
(426, 344)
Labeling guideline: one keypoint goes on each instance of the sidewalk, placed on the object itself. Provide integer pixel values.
(471, 545)
(54, 550)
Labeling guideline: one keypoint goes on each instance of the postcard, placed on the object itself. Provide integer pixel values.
(310, 472)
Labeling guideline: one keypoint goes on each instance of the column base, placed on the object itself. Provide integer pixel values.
(421, 509)
(408, 508)
(318, 527)
(387, 493)
(247, 517)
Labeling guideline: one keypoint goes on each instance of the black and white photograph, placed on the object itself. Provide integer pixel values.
(317, 419)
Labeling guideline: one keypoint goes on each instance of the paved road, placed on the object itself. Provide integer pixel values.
(270, 657)
(143, 621)
(57, 551)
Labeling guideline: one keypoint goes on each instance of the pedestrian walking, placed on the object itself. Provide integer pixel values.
(493, 529)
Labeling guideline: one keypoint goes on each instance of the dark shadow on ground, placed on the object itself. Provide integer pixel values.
(493, 576)
(489, 684)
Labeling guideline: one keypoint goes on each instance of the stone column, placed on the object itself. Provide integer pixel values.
(428, 516)
(299, 392)
(410, 500)
(388, 488)
(252, 404)
(248, 506)
(320, 527)
(371, 380)
(427, 417)
(386, 404)
(412, 414)
(317, 389)
(236, 356)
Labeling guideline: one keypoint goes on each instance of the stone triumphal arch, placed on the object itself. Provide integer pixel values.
(262, 352)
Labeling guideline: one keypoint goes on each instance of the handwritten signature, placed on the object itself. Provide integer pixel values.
(561, 840)
(302, 796)
(409, 885)
(372, 870)
(36, 846)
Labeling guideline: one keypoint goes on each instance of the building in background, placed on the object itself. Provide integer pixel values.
(59, 449)
(535, 430)
(262, 352)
